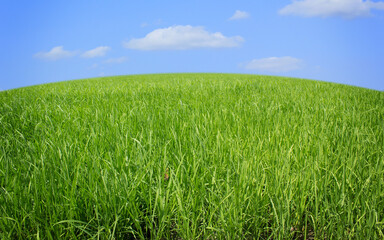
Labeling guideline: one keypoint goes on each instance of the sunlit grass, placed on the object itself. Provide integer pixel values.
(191, 156)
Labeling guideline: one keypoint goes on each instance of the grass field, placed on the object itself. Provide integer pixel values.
(192, 156)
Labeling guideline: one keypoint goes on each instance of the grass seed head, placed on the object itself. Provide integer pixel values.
(166, 174)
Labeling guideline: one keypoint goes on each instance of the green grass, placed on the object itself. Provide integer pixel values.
(251, 157)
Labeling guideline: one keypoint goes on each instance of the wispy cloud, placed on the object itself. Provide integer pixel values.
(93, 66)
(55, 53)
(274, 64)
(330, 8)
(96, 52)
(116, 60)
(239, 15)
(182, 38)
(109, 61)
(156, 22)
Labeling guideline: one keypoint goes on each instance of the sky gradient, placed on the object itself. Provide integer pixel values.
(329, 40)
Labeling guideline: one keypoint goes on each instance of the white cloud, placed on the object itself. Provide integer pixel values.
(55, 54)
(329, 8)
(96, 52)
(239, 15)
(116, 60)
(274, 64)
(181, 38)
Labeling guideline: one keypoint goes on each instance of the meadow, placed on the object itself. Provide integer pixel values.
(192, 156)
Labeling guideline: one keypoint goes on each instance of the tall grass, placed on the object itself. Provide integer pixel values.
(246, 157)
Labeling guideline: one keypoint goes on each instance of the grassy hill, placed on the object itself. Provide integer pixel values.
(191, 156)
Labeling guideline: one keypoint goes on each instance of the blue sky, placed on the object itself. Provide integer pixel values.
(330, 40)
